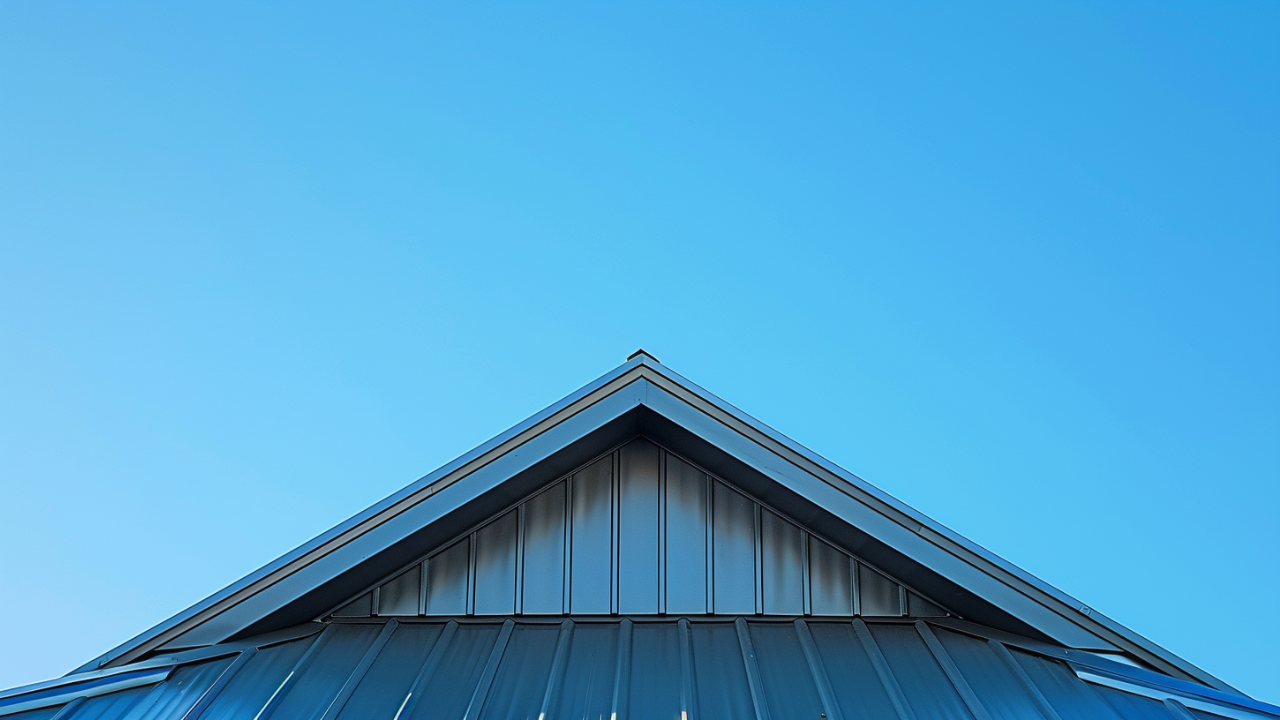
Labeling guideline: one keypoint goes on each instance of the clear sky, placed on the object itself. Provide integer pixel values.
(1016, 264)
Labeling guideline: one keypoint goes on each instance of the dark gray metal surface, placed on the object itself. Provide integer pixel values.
(633, 530)
(641, 669)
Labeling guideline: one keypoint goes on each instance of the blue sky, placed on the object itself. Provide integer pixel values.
(1014, 264)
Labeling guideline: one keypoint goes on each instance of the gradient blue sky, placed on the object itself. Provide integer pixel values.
(1017, 264)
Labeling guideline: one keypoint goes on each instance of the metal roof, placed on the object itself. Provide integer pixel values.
(643, 396)
(632, 669)
(273, 644)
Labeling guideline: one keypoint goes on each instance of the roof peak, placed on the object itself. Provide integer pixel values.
(642, 353)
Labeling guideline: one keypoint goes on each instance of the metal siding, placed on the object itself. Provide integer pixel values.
(782, 554)
(175, 696)
(309, 695)
(360, 607)
(400, 596)
(858, 691)
(686, 556)
(789, 689)
(723, 691)
(248, 692)
(521, 681)
(544, 552)
(654, 689)
(447, 579)
(387, 682)
(986, 673)
(919, 607)
(638, 528)
(877, 594)
(586, 688)
(447, 692)
(591, 562)
(923, 682)
(830, 579)
(641, 532)
(733, 532)
(495, 580)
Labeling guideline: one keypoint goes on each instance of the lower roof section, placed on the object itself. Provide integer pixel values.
(637, 668)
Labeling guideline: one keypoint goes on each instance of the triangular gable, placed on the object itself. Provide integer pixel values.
(640, 531)
(644, 398)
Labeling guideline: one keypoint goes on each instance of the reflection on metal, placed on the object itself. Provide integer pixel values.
(640, 531)
(90, 688)
(1163, 699)
(688, 669)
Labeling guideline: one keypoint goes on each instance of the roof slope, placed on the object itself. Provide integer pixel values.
(620, 668)
(643, 397)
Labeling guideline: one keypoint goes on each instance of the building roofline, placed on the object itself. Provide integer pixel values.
(628, 386)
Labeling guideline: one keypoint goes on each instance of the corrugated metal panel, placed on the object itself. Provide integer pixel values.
(108, 707)
(386, 684)
(495, 571)
(782, 565)
(830, 579)
(705, 669)
(521, 681)
(655, 681)
(922, 680)
(722, 685)
(316, 684)
(1134, 707)
(638, 528)
(175, 696)
(591, 555)
(360, 607)
(734, 559)
(854, 682)
(447, 585)
(585, 688)
(448, 691)
(544, 552)
(789, 687)
(877, 594)
(258, 681)
(1072, 699)
(987, 674)
(687, 513)
(400, 596)
(640, 532)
